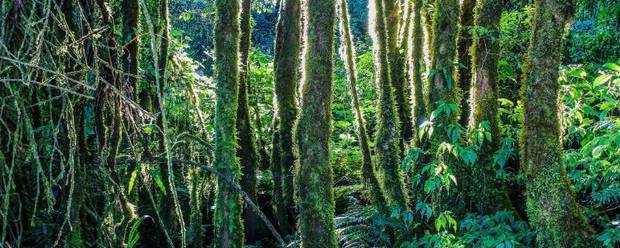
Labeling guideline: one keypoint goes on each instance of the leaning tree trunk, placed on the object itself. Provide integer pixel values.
(313, 173)
(286, 77)
(551, 206)
(227, 216)
(247, 152)
(348, 56)
(483, 194)
(463, 72)
(388, 129)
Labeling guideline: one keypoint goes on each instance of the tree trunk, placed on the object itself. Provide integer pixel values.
(417, 66)
(443, 89)
(348, 56)
(313, 173)
(286, 77)
(551, 206)
(464, 71)
(485, 197)
(396, 61)
(227, 217)
(388, 129)
(247, 152)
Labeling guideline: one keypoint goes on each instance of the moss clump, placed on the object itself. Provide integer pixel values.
(227, 216)
(551, 206)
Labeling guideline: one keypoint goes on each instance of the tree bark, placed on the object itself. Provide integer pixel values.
(388, 129)
(288, 38)
(227, 217)
(464, 71)
(313, 173)
(551, 207)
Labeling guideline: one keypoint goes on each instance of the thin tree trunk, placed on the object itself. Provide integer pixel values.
(464, 70)
(417, 66)
(552, 210)
(246, 151)
(228, 225)
(288, 38)
(348, 56)
(396, 61)
(388, 129)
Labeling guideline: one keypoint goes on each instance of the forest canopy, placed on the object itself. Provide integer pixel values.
(310, 123)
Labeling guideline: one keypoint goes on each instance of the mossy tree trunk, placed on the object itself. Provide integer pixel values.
(443, 88)
(348, 56)
(227, 216)
(387, 142)
(313, 173)
(417, 67)
(396, 60)
(464, 71)
(484, 195)
(247, 151)
(288, 38)
(551, 206)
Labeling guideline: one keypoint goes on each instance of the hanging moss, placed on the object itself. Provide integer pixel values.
(348, 56)
(483, 193)
(388, 128)
(247, 152)
(551, 206)
(463, 72)
(227, 216)
(286, 79)
(313, 173)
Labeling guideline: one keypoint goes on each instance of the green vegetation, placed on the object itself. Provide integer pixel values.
(318, 123)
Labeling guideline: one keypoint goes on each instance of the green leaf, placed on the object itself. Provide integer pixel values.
(132, 179)
(157, 177)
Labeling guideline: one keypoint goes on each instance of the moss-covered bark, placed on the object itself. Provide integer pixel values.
(288, 38)
(551, 206)
(313, 173)
(417, 67)
(246, 150)
(463, 72)
(388, 128)
(396, 59)
(443, 88)
(227, 216)
(348, 56)
(485, 195)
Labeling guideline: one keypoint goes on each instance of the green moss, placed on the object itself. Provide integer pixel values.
(247, 151)
(286, 79)
(419, 108)
(388, 128)
(551, 206)
(313, 173)
(396, 59)
(368, 171)
(227, 216)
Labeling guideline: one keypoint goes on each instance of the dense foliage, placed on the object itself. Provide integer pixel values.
(93, 153)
